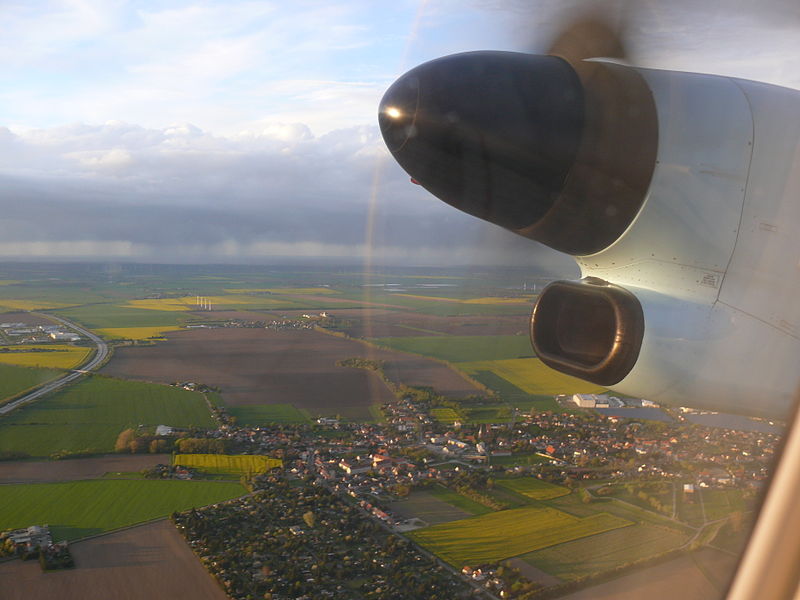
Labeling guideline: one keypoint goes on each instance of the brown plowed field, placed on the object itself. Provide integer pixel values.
(78, 468)
(142, 563)
(262, 366)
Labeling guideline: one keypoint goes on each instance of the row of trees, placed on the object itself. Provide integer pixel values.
(129, 441)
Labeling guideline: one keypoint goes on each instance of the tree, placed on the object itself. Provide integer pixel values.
(159, 446)
(124, 439)
(309, 518)
(138, 445)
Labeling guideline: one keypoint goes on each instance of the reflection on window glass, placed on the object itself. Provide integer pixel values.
(531, 333)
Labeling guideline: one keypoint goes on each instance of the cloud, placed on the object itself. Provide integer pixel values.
(180, 194)
(247, 128)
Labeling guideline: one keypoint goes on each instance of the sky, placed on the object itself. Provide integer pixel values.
(246, 131)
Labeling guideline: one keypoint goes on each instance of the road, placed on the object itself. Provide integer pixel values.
(97, 360)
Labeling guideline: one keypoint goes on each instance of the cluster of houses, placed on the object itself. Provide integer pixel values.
(406, 415)
(36, 542)
(27, 540)
(373, 458)
(286, 324)
(302, 541)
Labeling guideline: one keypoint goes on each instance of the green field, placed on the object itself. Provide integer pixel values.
(463, 348)
(104, 316)
(445, 415)
(454, 498)
(103, 406)
(531, 376)
(42, 440)
(534, 488)
(14, 379)
(79, 508)
(516, 397)
(500, 535)
(604, 551)
(721, 503)
(488, 413)
(418, 303)
(264, 414)
(574, 506)
(228, 463)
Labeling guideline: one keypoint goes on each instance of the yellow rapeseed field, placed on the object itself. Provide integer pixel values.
(228, 463)
(532, 376)
(58, 356)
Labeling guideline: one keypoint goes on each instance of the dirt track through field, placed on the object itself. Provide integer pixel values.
(142, 563)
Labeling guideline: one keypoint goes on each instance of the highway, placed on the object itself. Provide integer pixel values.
(97, 359)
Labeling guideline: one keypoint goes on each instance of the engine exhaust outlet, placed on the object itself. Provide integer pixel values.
(590, 329)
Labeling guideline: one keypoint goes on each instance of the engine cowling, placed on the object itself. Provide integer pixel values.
(675, 192)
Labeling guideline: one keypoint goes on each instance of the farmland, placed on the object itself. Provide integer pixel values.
(103, 316)
(41, 471)
(433, 305)
(52, 356)
(428, 506)
(77, 509)
(15, 379)
(87, 416)
(136, 333)
(224, 302)
(141, 563)
(463, 348)
(445, 415)
(44, 439)
(260, 368)
(534, 488)
(455, 499)
(227, 463)
(531, 376)
(579, 558)
(262, 414)
(9, 304)
(485, 539)
(383, 323)
(510, 393)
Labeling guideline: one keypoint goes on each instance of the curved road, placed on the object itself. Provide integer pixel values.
(97, 359)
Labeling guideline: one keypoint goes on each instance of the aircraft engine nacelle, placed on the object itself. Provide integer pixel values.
(677, 194)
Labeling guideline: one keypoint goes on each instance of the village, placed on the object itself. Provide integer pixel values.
(365, 470)
(336, 506)
(413, 447)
